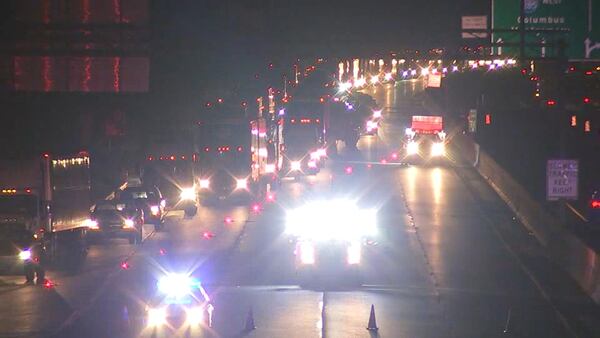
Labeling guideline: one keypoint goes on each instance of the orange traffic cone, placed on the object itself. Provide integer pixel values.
(372, 326)
(250, 321)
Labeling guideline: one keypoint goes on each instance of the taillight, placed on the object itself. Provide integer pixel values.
(595, 204)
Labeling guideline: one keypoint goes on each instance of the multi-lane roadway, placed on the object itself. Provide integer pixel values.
(449, 261)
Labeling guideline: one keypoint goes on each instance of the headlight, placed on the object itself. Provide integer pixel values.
(91, 224)
(154, 210)
(241, 183)
(157, 317)
(205, 184)
(194, 316)
(312, 164)
(129, 223)
(269, 168)
(412, 148)
(354, 253)
(188, 194)
(307, 253)
(25, 255)
(295, 165)
(438, 149)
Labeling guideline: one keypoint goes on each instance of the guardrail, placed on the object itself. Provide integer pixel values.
(567, 250)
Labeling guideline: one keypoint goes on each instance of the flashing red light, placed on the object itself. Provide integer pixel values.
(208, 235)
(586, 100)
(595, 204)
(161, 158)
(208, 104)
(322, 99)
(395, 156)
(28, 190)
(46, 155)
(572, 68)
(369, 166)
(240, 149)
(220, 100)
(270, 197)
(48, 284)
(293, 120)
(488, 119)
(524, 71)
(183, 157)
(244, 103)
(125, 265)
(172, 157)
(206, 149)
(551, 102)
(588, 72)
(256, 208)
(317, 121)
(150, 158)
(228, 220)
(162, 252)
(349, 170)
(383, 161)
(534, 78)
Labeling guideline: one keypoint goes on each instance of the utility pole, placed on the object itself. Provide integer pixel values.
(522, 32)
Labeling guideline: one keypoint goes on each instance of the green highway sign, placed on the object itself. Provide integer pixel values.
(572, 23)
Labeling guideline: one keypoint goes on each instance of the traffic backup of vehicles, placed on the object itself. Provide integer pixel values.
(329, 235)
(303, 139)
(43, 203)
(226, 161)
(425, 140)
(112, 219)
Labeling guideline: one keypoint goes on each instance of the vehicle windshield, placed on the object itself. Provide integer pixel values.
(19, 204)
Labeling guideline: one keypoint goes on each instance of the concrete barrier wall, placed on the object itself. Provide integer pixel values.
(567, 250)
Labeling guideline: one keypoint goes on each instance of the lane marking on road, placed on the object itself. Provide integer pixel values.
(78, 313)
(576, 212)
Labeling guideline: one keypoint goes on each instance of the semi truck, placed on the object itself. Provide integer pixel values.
(44, 203)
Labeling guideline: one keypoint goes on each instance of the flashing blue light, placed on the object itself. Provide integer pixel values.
(177, 285)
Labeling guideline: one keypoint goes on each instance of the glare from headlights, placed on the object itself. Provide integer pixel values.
(438, 149)
(345, 86)
(154, 210)
(312, 164)
(25, 255)
(204, 184)
(175, 285)
(241, 183)
(91, 224)
(295, 166)
(377, 113)
(156, 317)
(412, 148)
(331, 220)
(194, 316)
(129, 223)
(188, 194)
(388, 76)
(374, 79)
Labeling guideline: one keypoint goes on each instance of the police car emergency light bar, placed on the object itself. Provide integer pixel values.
(331, 220)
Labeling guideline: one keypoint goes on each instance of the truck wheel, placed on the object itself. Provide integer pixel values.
(190, 211)
(40, 274)
(29, 273)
